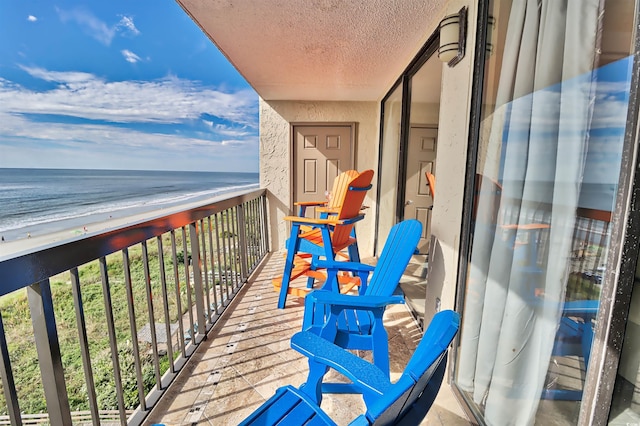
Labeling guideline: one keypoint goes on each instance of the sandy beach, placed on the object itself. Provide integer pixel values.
(18, 247)
(28, 244)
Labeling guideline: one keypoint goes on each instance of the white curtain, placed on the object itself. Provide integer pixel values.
(539, 134)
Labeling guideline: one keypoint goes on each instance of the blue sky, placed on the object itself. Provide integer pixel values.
(119, 85)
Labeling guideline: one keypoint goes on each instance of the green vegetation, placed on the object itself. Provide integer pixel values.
(19, 330)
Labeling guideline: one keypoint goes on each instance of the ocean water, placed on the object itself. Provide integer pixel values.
(41, 201)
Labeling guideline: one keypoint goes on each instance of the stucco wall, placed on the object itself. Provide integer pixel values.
(453, 135)
(276, 118)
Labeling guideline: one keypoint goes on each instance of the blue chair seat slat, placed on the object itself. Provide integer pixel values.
(301, 413)
(289, 406)
(274, 409)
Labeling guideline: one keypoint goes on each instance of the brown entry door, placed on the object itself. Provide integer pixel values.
(421, 157)
(320, 154)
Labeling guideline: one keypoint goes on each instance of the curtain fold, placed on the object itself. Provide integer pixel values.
(539, 133)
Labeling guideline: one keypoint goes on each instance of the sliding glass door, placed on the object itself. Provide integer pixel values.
(554, 112)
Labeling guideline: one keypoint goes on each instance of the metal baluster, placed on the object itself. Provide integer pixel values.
(111, 329)
(263, 225)
(176, 278)
(249, 218)
(255, 240)
(152, 317)
(242, 240)
(197, 281)
(224, 299)
(213, 267)
(165, 303)
(205, 271)
(224, 250)
(232, 242)
(188, 284)
(8, 384)
(84, 346)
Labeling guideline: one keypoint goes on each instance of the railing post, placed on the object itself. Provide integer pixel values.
(197, 281)
(48, 349)
(242, 235)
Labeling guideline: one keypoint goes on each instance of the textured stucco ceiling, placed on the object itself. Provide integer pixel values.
(318, 49)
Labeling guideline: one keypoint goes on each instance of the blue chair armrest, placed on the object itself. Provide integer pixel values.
(354, 302)
(366, 376)
(343, 266)
(581, 307)
(352, 219)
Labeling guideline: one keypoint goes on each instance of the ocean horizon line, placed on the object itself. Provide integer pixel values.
(123, 170)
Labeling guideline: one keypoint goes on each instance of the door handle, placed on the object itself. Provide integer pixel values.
(408, 202)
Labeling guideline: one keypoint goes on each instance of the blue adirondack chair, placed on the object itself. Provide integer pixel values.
(404, 402)
(355, 322)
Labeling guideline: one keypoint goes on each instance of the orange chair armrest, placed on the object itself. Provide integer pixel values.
(310, 203)
(526, 227)
(313, 221)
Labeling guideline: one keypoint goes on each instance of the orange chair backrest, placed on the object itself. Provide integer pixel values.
(340, 186)
(352, 204)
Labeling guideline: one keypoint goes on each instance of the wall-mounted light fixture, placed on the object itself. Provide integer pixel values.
(453, 35)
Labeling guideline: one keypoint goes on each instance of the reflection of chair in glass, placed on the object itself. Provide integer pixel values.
(404, 402)
(574, 338)
(326, 237)
(574, 335)
(527, 244)
(431, 183)
(355, 322)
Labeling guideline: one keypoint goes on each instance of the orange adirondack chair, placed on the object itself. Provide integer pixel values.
(323, 237)
(336, 196)
(333, 203)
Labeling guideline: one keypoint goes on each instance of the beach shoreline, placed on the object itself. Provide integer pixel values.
(21, 246)
(27, 244)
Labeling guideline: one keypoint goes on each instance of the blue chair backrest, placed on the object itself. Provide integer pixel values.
(396, 254)
(419, 384)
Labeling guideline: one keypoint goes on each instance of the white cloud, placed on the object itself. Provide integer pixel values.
(129, 56)
(229, 143)
(84, 95)
(95, 27)
(56, 76)
(96, 146)
(31, 18)
(126, 22)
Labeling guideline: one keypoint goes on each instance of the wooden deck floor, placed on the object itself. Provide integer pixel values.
(247, 356)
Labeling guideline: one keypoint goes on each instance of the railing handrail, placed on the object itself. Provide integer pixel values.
(21, 269)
